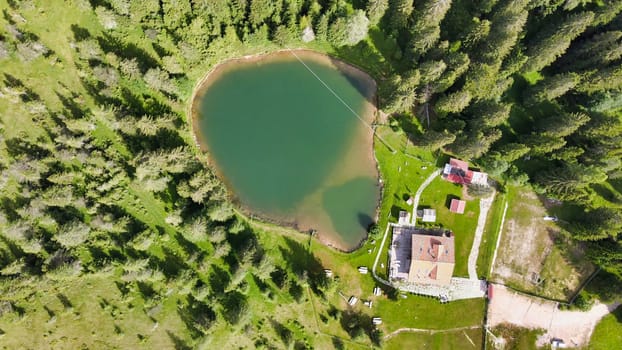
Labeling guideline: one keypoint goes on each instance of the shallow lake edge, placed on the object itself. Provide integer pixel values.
(223, 67)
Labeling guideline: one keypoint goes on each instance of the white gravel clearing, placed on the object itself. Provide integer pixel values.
(573, 327)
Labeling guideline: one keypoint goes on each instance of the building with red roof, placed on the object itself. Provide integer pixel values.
(457, 206)
(457, 171)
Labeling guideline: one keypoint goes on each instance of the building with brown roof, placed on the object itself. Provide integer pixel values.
(432, 260)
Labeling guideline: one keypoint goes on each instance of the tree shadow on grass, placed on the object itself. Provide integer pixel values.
(73, 108)
(171, 264)
(28, 95)
(607, 194)
(234, 307)
(93, 91)
(606, 286)
(197, 316)
(100, 256)
(179, 343)
(284, 333)
(448, 200)
(123, 288)
(126, 50)
(442, 160)
(218, 280)
(262, 285)
(395, 211)
(338, 343)
(279, 277)
(302, 262)
(146, 290)
(64, 300)
(413, 130)
(390, 292)
(356, 324)
(19, 146)
(80, 33)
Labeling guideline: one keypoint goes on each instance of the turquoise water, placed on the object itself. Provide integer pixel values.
(280, 140)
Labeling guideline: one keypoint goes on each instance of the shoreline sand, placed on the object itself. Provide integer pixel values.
(300, 223)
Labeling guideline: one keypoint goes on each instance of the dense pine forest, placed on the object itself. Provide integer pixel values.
(100, 176)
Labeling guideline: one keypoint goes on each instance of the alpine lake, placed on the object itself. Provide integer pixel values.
(289, 134)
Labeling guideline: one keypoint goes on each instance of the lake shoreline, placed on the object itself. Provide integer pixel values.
(370, 114)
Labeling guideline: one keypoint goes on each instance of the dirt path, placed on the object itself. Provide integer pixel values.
(573, 327)
(484, 208)
(428, 331)
(494, 255)
(373, 269)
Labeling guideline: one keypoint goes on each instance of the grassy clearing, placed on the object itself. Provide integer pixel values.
(429, 313)
(608, 332)
(532, 247)
(490, 236)
(438, 341)
(516, 338)
(438, 196)
(91, 312)
(533, 77)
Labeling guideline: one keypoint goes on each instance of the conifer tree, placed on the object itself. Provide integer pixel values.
(376, 10)
(552, 42)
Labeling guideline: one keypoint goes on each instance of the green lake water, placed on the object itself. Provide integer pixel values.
(289, 149)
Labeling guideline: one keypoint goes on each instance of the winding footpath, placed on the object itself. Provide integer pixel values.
(428, 331)
(413, 217)
(484, 208)
(494, 255)
(373, 269)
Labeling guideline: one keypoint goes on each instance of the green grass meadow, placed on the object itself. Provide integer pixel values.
(608, 332)
(469, 339)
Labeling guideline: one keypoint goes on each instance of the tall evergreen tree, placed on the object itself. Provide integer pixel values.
(426, 30)
(376, 10)
(552, 42)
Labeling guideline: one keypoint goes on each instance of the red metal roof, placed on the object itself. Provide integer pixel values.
(457, 206)
(460, 178)
(460, 164)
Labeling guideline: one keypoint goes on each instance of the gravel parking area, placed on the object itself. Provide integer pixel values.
(573, 327)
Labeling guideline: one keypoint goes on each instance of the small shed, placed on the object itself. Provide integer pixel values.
(429, 215)
(457, 206)
(376, 321)
(353, 300)
(363, 270)
(404, 218)
(377, 291)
